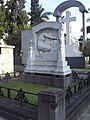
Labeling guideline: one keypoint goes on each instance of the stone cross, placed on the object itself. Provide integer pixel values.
(68, 19)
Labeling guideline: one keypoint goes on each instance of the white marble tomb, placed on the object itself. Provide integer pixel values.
(47, 50)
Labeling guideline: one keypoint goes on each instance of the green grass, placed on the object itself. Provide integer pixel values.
(27, 87)
(80, 69)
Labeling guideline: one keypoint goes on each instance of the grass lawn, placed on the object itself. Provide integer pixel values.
(80, 69)
(27, 87)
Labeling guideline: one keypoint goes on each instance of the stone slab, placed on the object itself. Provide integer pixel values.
(47, 79)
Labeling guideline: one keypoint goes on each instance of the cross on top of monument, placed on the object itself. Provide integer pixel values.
(68, 19)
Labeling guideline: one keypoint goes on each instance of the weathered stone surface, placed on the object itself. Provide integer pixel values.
(85, 114)
(47, 50)
(51, 105)
(6, 58)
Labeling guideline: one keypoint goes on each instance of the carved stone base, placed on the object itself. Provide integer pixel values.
(53, 68)
(48, 79)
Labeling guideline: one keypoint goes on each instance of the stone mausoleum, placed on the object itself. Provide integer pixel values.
(6, 58)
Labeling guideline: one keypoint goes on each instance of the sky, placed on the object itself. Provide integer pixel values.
(50, 6)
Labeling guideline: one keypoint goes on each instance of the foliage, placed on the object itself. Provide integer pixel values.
(42, 17)
(88, 19)
(87, 48)
(15, 15)
(34, 11)
(14, 19)
(2, 21)
(38, 15)
(15, 40)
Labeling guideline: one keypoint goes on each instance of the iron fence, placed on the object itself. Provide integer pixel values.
(19, 95)
(75, 89)
(7, 76)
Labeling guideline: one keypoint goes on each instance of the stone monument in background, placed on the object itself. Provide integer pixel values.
(58, 14)
(71, 45)
(6, 58)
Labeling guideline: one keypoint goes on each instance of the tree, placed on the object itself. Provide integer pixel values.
(2, 18)
(42, 16)
(16, 16)
(15, 40)
(13, 19)
(16, 19)
(1, 2)
(37, 13)
(87, 50)
(34, 11)
(88, 19)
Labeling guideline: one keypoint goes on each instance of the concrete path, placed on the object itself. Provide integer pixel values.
(1, 118)
(85, 114)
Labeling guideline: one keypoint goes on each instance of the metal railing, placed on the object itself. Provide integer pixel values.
(7, 76)
(75, 89)
(19, 95)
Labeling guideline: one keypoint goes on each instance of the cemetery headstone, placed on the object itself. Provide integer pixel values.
(46, 54)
